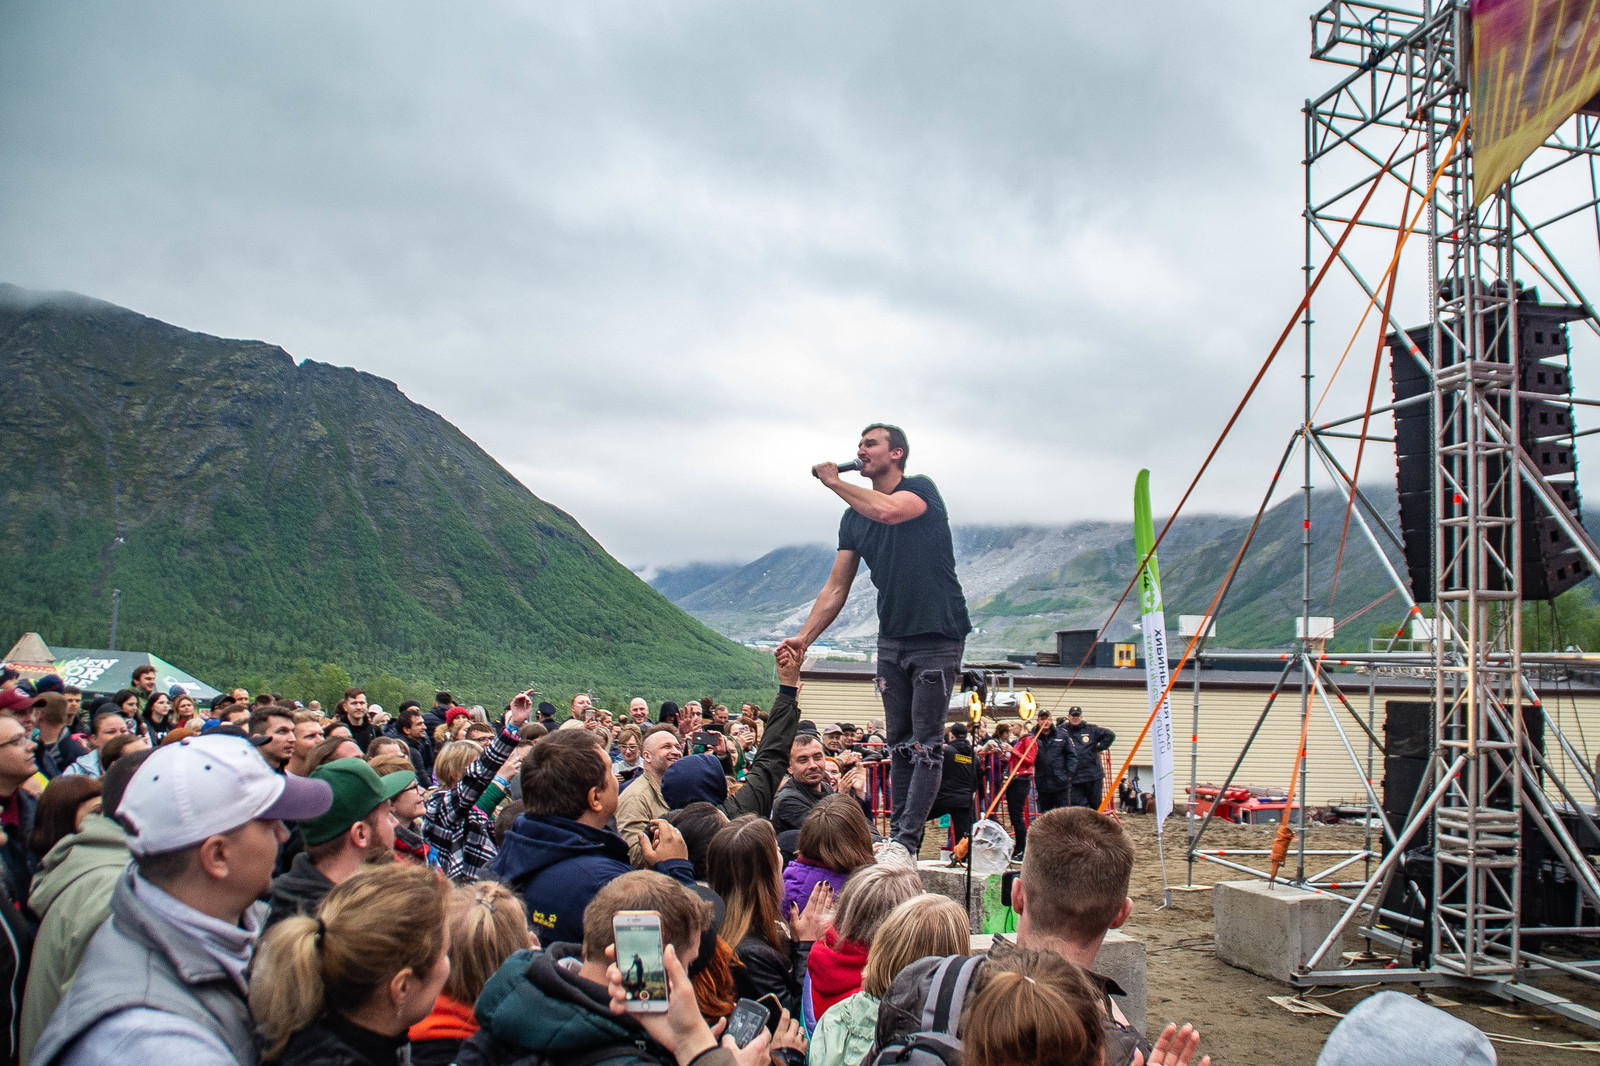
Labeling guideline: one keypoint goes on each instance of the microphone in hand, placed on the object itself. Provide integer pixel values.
(844, 468)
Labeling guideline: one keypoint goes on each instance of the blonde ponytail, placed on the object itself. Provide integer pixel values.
(488, 924)
(286, 983)
(383, 920)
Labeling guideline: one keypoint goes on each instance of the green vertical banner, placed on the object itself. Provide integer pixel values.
(1154, 624)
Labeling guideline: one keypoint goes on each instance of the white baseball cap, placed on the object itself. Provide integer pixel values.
(206, 785)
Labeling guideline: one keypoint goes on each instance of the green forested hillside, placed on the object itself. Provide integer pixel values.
(260, 516)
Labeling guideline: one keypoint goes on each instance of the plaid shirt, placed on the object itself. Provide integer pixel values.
(461, 834)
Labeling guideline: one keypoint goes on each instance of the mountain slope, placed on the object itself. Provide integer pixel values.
(255, 512)
(675, 581)
(1025, 582)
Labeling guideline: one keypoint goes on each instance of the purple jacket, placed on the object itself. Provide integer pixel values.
(800, 877)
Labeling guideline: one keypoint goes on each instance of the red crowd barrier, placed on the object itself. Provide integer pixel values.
(992, 771)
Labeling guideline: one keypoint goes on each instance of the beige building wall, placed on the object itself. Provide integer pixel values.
(1226, 718)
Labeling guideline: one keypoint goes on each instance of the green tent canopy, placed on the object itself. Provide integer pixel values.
(107, 671)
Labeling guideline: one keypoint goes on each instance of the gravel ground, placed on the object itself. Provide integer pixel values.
(1187, 983)
(1239, 1023)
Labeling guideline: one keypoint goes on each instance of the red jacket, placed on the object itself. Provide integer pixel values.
(1023, 752)
(835, 967)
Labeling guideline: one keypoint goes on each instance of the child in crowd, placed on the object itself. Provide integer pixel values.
(488, 923)
(1040, 1008)
(923, 925)
(833, 969)
(835, 841)
(1032, 1007)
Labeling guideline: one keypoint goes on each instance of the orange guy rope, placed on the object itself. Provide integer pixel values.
(1172, 679)
(1372, 383)
(1371, 300)
(1288, 328)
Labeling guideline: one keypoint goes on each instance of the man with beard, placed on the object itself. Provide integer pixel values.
(353, 713)
(358, 828)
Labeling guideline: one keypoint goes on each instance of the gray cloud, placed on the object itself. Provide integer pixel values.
(659, 258)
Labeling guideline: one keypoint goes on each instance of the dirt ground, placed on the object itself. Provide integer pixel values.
(1187, 983)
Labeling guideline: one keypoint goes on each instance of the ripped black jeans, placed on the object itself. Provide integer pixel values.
(915, 676)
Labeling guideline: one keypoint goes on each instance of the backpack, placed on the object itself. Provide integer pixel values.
(936, 1043)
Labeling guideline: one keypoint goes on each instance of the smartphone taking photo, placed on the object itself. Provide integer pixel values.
(637, 935)
(748, 1019)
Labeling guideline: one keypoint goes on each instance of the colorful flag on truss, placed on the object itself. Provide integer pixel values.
(1534, 63)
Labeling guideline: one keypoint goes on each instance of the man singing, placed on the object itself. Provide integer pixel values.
(899, 526)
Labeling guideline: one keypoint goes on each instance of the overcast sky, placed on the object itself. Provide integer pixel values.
(658, 258)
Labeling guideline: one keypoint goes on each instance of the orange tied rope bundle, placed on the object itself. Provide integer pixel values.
(1285, 835)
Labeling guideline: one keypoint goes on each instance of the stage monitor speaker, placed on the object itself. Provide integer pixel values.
(1407, 728)
(1551, 563)
(1401, 779)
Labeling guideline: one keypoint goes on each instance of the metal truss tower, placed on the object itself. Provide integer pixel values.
(1395, 121)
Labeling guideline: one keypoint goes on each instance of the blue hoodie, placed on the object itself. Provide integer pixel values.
(694, 778)
(558, 865)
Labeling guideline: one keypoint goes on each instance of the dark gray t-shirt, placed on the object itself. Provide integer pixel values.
(913, 565)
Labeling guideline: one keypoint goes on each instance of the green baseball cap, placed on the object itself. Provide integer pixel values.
(357, 790)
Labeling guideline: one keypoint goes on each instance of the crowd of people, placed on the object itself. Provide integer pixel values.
(250, 880)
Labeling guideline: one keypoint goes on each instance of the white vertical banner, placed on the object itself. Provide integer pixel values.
(1153, 623)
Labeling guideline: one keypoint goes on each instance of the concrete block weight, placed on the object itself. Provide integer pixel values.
(1273, 930)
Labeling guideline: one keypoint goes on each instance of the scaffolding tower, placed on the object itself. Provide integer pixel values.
(1395, 120)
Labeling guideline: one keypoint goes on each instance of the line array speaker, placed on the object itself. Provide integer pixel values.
(1551, 563)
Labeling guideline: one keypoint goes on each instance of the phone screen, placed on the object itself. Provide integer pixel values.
(774, 1012)
(747, 1020)
(639, 957)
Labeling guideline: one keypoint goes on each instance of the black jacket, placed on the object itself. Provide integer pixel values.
(765, 970)
(441, 1052)
(419, 752)
(793, 802)
(770, 761)
(16, 950)
(960, 780)
(1057, 761)
(362, 734)
(17, 860)
(333, 1040)
(54, 758)
(1087, 741)
(296, 891)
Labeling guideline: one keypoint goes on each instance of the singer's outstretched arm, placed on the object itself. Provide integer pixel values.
(830, 601)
